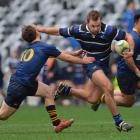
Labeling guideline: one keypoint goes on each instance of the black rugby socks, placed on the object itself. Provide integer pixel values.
(53, 115)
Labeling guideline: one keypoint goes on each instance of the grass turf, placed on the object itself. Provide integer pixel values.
(32, 123)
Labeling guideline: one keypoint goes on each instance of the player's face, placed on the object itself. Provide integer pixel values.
(94, 26)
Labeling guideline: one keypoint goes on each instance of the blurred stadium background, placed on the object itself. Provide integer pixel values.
(16, 13)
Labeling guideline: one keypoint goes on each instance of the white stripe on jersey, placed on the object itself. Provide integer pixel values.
(116, 34)
(69, 32)
(97, 52)
(105, 57)
(92, 42)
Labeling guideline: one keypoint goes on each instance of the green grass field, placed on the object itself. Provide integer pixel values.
(32, 123)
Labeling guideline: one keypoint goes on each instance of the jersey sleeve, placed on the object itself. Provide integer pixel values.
(52, 51)
(120, 35)
(69, 31)
(114, 33)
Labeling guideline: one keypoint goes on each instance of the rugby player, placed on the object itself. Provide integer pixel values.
(128, 75)
(23, 82)
(128, 72)
(95, 38)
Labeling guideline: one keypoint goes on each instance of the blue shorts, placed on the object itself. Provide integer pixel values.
(79, 81)
(91, 68)
(127, 82)
(16, 93)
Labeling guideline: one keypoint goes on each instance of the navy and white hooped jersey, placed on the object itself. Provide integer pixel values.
(122, 65)
(32, 60)
(98, 46)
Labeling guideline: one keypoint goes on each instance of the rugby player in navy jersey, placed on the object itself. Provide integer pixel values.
(128, 75)
(95, 39)
(23, 82)
(128, 71)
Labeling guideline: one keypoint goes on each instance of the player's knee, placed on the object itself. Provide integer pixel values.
(91, 99)
(108, 89)
(3, 116)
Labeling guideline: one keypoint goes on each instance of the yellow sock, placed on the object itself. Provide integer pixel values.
(102, 98)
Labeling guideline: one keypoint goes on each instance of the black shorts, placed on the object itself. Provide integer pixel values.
(17, 92)
(127, 82)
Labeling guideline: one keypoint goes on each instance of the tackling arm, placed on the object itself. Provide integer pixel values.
(74, 53)
(72, 59)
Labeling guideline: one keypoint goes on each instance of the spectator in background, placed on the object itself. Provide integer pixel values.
(12, 62)
(128, 16)
(11, 65)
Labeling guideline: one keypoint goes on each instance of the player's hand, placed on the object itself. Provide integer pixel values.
(38, 28)
(88, 60)
(78, 52)
(127, 55)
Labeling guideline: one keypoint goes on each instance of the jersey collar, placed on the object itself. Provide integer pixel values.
(103, 26)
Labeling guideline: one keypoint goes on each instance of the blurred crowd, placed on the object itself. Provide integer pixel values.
(55, 70)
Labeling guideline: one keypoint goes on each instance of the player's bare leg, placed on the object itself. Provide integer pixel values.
(122, 99)
(100, 80)
(46, 92)
(103, 82)
(91, 94)
(6, 111)
(95, 89)
(87, 94)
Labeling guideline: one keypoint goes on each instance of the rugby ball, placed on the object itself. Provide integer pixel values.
(121, 46)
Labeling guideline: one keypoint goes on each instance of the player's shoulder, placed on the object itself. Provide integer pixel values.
(75, 28)
(37, 44)
(109, 28)
(44, 44)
